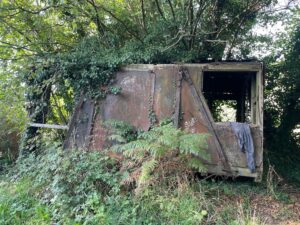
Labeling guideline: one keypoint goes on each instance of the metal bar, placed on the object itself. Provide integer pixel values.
(51, 126)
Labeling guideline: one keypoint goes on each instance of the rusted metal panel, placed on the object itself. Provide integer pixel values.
(190, 111)
(156, 88)
(176, 116)
(208, 122)
(132, 104)
(99, 133)
(81, 125)
(196, 75)
(236, 157)
(194, 121)
(165, 91)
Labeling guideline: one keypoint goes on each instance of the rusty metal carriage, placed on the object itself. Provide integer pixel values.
(185, 93)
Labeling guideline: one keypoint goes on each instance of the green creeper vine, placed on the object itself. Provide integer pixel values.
(88, 69)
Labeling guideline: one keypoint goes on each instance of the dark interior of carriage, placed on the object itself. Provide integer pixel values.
(228, 95)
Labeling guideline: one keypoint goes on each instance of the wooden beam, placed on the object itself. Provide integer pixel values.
(259, 99)
(216, 66)
(50, 126)
(253, 100)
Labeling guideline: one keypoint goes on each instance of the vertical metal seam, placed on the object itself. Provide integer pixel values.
(176, 116)
(151, 112)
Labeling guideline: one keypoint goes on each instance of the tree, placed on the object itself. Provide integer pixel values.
(62, 47)
(12, 112)
(283, 102)
(201, 28)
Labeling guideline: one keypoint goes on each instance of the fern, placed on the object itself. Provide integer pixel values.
(165, 150)
(147, 169)
(194, 144)
(194, 163)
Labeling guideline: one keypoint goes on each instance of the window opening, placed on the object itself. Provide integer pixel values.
(228, 95)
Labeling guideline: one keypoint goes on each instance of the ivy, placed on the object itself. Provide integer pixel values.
(89, 69)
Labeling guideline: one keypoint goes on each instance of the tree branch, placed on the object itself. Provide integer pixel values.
(143, 15)
(159, 9)
(13, 46)
(39, 10)
(100, 25)
(121, 22)
(61, 115)
(172, 9)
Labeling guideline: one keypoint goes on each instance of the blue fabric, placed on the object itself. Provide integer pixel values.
(243, 134)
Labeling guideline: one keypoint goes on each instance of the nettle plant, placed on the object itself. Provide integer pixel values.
(160, 153)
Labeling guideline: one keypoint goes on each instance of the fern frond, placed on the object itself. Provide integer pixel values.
(151, 135)
(163, 151)
(117, 138)
(147, 169)
(135, 154)
(197, 164)
(158, 150)
(194, 144)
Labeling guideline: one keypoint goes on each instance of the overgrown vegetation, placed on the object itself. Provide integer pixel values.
(79, 187)
(61, 49)
(84, 187)
(91, 187)
(282, 108)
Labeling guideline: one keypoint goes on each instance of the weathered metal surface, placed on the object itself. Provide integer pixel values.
(132, 104)
(236, 157)
(81, 125)
(165, 91)
(176, 116)
(99, 134)
(155, 88)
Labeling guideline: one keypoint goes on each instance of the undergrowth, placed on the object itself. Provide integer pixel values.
(87, 187)
(18, 204)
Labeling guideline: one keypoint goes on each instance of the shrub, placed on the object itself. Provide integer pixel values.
(75, 184)
(18, 205)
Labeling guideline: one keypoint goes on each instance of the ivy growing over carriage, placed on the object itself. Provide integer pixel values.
(87, 70)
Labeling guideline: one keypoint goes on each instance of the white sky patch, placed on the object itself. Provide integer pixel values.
(274, 30)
